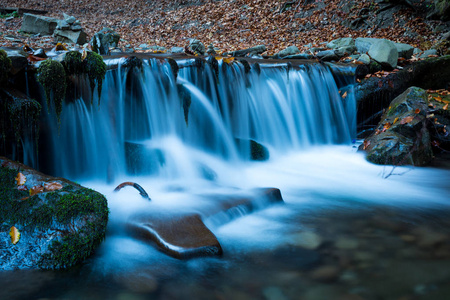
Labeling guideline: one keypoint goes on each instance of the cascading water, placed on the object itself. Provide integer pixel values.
(187, 139)
(149, 121)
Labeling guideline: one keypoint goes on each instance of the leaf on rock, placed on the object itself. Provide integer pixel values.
(445, 107)
(407, 120)
(52, 186)
(36, 190)
(395, 121)
(344, 95)
(228, 60)
(15, 235)
(20, 179)
(438, 99)
(366, 144)
(417, 111)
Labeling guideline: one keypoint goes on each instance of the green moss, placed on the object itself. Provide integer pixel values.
(133, 62)
(95, 68)
(73, 63)
(52, 76)
(5, 67)
(82, 208)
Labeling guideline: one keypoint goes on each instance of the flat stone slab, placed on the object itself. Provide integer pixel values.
(184, 234)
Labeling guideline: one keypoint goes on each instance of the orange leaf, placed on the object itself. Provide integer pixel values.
(445, 107)
(228, 60)
(344, 95)
(395, 121)
(52, 186)
(15, 235)
(406, 120)
(36, 190)
(386, 126)
(438, 99)
(417, 111)
(366, 144)
(20, 179)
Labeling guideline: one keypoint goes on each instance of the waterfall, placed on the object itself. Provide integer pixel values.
(151, 121)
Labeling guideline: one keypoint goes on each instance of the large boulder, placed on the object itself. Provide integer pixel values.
(18, 60)
(384, 52)
(342, 42)
(402, 137)
(38, 24)
(291, 50)
(47, 222)
(70, 36)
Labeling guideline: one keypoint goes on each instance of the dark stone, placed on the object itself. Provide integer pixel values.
(183, 234)
(374, 94)
(60, 225)
(104, 39)
(252, 149)
(402, 137)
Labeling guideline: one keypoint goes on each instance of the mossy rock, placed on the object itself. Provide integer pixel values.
(95, 68)
(59, 228)
(5, 67)
(52, 76)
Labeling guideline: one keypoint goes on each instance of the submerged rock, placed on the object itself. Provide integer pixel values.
(60, 223)
(402, 137)
(183, 234)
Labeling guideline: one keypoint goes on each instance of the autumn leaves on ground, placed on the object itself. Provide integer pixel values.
(228, 24)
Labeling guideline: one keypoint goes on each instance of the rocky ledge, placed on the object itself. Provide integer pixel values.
(47, 222)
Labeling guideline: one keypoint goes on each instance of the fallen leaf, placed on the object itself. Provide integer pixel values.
(228, 60)
(20, 179)
(406, 120)
(22, 188)
(395, 121)
(445, 107)
(36, 190)
(52, 186)
(344, 95)
(438, 99)
(15, 235)
(435, 143)
(417, 111)
(366, 144)
(386, 126)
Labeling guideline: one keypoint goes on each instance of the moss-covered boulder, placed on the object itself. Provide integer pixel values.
(402, 137)
(60, 223)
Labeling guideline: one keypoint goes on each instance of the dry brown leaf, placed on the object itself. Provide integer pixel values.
(52, 186)
(15, 235)
(20, 179)
(36, 190)
(407, 120)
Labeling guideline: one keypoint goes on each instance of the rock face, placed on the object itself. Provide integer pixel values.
(402, 137)
(60, 223)
(38, 24)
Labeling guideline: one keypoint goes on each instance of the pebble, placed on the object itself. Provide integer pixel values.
(307, 239)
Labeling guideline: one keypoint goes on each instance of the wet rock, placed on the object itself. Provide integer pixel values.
(384, 52)
(197, 47)
(252, 149)
(325, 273)
(105, 39)
(345, 51)
(307, 240)
(183, 234)
(291, 50)
(40, 53)
(38, 24)
(402, 137)
(299, 56)
(60, 222)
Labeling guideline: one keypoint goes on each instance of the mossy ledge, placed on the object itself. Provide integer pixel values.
(59, 229)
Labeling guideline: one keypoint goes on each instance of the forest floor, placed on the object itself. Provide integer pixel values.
(234, 24)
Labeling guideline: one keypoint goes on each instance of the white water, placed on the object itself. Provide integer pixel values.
(297, 114)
